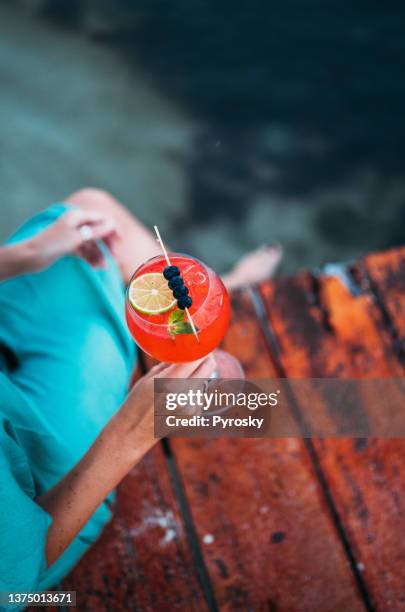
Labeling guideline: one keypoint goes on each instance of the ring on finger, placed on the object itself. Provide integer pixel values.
(86, 232)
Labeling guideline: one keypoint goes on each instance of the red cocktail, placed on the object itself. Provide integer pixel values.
(158, 320)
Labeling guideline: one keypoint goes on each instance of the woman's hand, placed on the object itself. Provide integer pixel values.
(136, 416)
(75, 232)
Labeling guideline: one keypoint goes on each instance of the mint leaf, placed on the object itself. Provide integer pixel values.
(183, 327)
(177, 324)
(176, 316)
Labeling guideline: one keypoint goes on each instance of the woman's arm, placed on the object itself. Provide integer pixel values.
(120, 446)
(16, 259)
(62, 237)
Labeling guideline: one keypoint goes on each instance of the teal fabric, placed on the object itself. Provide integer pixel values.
(23, 524)
(66, 331)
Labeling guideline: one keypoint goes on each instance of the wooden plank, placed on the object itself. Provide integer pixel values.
(266, 536)
(386, 271)
(142, 560)
(323, 330)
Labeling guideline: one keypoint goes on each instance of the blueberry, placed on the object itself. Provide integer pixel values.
(180, 291)
(170, 271)
(184, 302)
(176, 281)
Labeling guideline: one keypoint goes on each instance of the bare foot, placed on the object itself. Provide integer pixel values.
(254, 267)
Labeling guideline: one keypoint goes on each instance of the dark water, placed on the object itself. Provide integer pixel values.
(299, 107)
(329, 75)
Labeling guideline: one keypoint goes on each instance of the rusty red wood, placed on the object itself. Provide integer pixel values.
(267, 539)
(384, 277)
(272, 524)
(322, 329)
(142, 560)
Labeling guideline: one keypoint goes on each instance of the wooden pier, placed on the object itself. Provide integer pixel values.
(272, 524)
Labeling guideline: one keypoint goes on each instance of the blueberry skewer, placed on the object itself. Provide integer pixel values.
(176, 284)
(169, 265)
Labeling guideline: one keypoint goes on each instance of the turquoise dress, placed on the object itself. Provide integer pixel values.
(66, 360)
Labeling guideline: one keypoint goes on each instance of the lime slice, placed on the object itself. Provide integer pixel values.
(151, 294)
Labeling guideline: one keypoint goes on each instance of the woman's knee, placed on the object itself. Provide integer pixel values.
(91, 197)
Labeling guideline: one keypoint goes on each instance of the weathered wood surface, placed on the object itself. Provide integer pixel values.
(324, 328)
(142, 560)
(267, 541)
(287, 524)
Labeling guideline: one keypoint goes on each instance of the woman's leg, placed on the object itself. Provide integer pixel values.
(254, 267)
(137, 243)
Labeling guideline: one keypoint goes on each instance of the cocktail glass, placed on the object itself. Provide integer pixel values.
(167, 336)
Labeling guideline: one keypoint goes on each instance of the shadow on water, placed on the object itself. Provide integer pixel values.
(292, 98)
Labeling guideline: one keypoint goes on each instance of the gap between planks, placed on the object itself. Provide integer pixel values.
(370, 287)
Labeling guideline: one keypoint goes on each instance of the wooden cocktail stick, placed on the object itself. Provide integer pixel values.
(160, 241)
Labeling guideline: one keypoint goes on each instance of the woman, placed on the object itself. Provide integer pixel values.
(66, 360)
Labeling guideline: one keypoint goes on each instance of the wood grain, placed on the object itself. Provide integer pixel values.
(267, 539)
(273, 524)
(323, 330)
